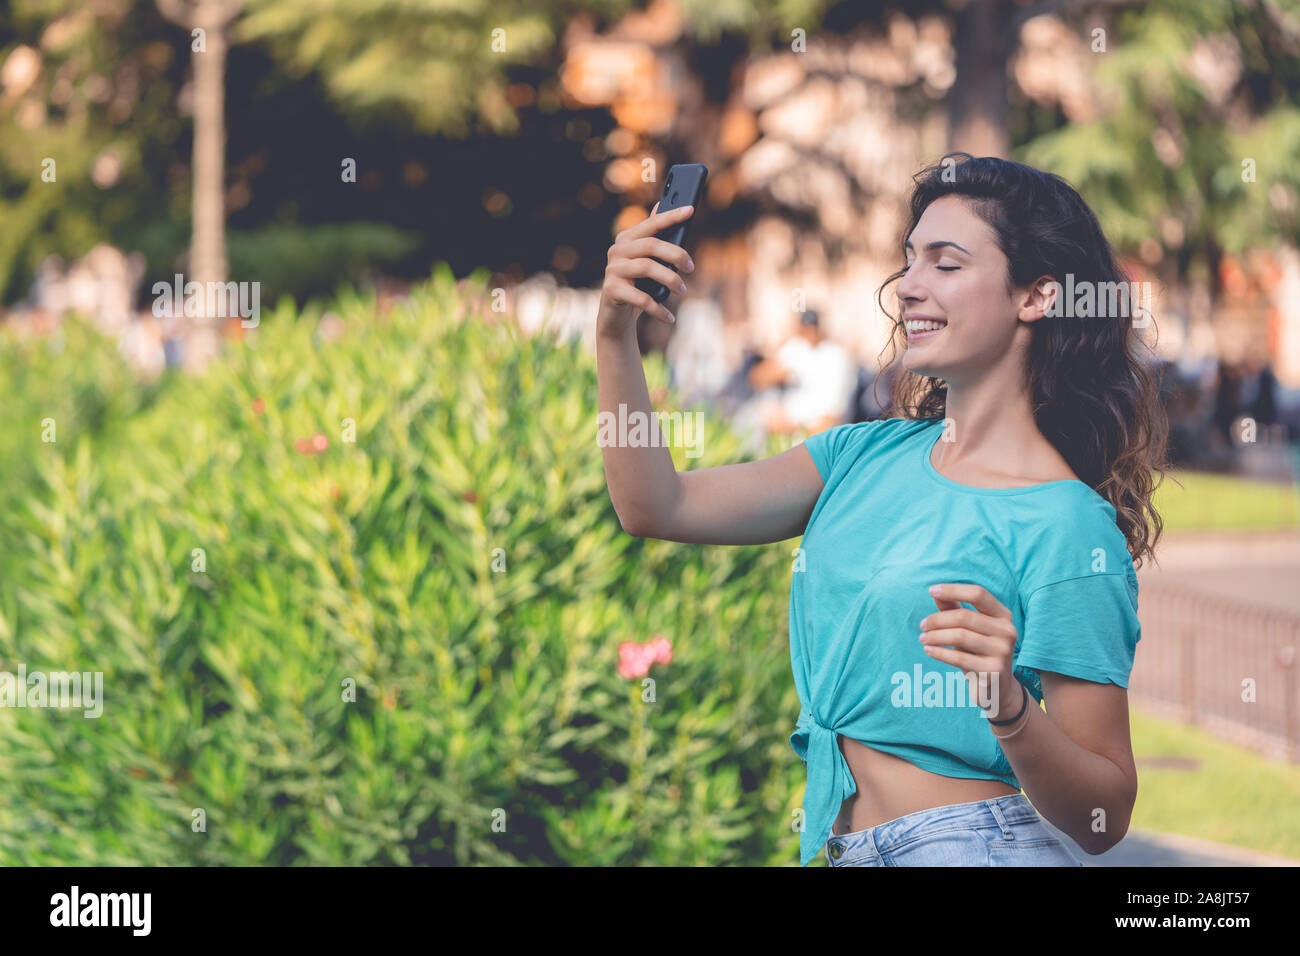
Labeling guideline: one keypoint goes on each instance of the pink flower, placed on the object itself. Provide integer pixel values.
(634, 659)
(663, 648)
(311, 446)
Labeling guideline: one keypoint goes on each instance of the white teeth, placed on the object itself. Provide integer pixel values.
(923, 325)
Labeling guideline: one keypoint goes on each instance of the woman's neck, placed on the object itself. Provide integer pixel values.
(992, 432)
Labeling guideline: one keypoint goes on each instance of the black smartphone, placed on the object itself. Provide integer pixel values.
(683, 187)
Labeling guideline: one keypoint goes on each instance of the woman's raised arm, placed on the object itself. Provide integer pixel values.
(755, 502)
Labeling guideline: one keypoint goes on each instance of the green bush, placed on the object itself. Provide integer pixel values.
(480, 694)
(73, 382)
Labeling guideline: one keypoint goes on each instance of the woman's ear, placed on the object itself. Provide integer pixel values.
(1042, 298)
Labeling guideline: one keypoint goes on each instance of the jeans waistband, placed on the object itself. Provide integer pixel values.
(994, 811)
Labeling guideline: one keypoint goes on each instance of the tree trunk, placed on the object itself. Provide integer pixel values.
(977, 118)
(208, 235)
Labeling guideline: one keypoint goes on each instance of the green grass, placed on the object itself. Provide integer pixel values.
(1207, 502)
(1234, 796)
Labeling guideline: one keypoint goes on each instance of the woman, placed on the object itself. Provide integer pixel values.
(984, 541)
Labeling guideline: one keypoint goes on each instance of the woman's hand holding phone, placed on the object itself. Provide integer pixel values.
(629, 258)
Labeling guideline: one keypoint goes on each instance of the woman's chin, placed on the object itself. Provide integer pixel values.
(919, 367)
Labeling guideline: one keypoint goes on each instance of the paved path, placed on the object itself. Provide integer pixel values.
(1261, 567)
(1149, 848)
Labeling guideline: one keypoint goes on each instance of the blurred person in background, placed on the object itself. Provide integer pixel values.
(738, 390)
(1259, 391)
(871, 398)
(817, 376)
(1227, 400)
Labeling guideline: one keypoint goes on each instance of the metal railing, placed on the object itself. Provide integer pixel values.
(1225, 666)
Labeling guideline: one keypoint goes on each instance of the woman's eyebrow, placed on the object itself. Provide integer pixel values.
(938, 244)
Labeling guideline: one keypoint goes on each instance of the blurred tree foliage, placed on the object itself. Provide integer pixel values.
(445, 65)
(92, 88)
(1193, 88)
(103, 90)
(418, 95)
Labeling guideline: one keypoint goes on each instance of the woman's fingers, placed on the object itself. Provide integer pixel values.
(656, 222)
(971, 620)
(624, 291)
(652, 308)
(635, 268)
(973, 642)
(963, 661)
(660, 249)
(984, 602)
(629, 258)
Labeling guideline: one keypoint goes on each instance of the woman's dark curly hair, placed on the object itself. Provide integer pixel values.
(1095, 397)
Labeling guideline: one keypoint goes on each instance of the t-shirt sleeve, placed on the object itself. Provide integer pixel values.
(830, 445)
(845, 444)
(823, 447)
(1084, 627)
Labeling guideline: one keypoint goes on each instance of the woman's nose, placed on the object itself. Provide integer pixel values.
(908, 288)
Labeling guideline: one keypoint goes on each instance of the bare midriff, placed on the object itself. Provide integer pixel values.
(891, 787)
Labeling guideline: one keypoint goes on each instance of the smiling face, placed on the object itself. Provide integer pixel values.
(960, 314)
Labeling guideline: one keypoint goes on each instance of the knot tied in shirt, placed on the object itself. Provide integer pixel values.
(830, 783)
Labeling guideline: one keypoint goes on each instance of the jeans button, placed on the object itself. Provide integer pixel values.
(837, 850)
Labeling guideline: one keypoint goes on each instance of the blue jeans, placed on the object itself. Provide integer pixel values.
(1001, 831)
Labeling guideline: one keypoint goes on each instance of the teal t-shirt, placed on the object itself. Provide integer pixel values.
(885, 528)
